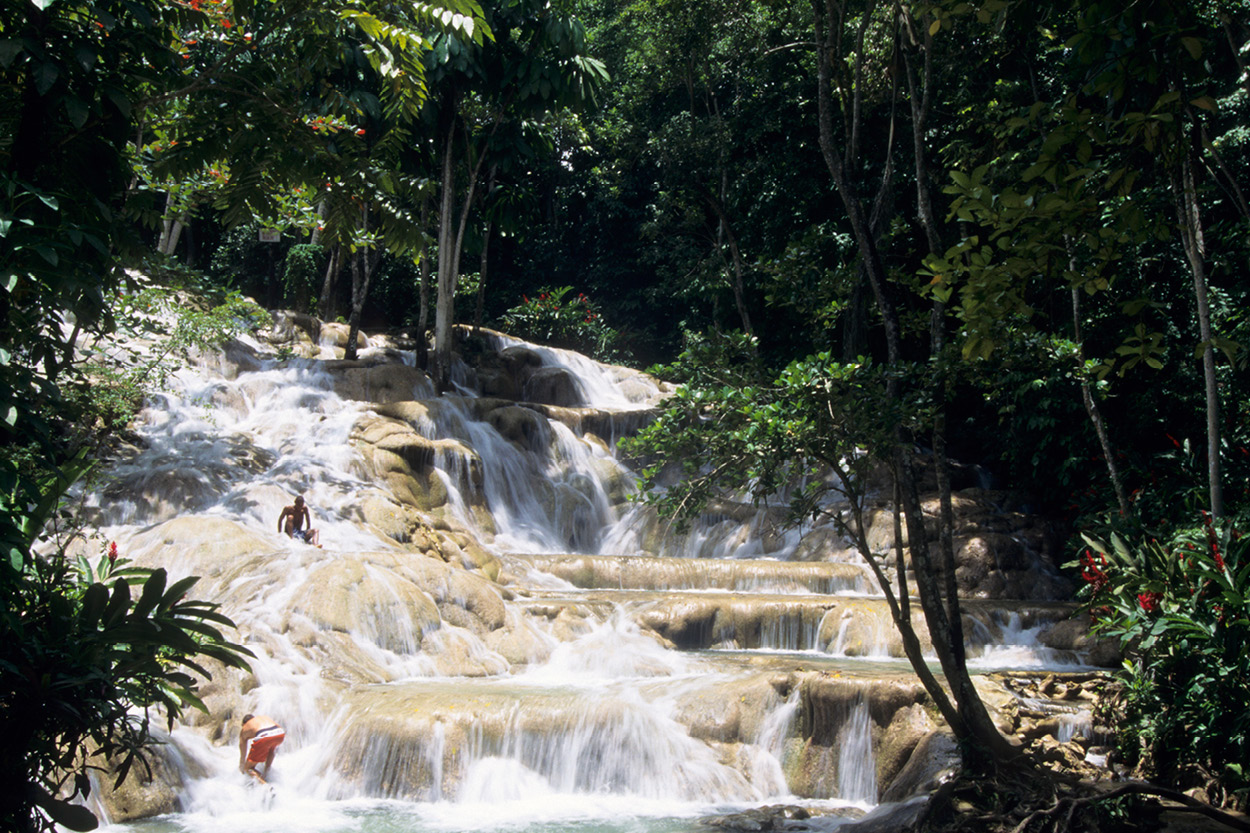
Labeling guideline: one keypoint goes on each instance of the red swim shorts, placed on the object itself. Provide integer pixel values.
(265, 741)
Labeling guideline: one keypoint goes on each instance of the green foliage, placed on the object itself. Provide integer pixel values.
(86, 651)
(156, 329)
(732, 427)
(1181, 610)
(555, 319)
(302, 273)
(241, 261)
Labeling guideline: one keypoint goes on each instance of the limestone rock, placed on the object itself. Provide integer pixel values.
(380, 383)
(335, 334)
(147, 791)
(934, 756)
(345, 596)
(1074, 635)
(523, 427)
(553, 386)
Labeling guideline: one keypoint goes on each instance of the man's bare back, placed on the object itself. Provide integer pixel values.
(259, 739)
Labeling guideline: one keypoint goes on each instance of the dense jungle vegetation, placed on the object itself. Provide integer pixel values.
(1007, 234)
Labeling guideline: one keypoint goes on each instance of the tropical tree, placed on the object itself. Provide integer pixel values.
(535, 63)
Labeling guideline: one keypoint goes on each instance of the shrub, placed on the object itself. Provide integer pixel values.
(87, 652)
(1181, 611)
(302, 275)
(554, 319)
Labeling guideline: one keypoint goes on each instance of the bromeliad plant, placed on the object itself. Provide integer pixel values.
(1182, 613)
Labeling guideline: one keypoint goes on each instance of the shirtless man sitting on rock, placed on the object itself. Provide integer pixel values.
(293, 520)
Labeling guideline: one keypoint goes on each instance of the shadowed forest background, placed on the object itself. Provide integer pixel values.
(1009, 237)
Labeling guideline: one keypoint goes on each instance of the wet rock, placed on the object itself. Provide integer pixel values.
(391, 519)
(335, 334)
(553, 386)
(212, 547)
(403, 460)
(345, 596)
(773, 817)
(520, 362)
(381, 383)
(1063, 756)
(498, 382)
(934, 757)
(1074, 635)
(150, 790)
(523, 427)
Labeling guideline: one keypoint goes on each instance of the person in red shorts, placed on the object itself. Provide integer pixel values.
(259, 739)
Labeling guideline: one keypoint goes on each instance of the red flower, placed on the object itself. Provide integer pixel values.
(1149, 601)
(112, 552)
(1091, 572)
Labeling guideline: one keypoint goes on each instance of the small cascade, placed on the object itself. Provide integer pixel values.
(857, 767)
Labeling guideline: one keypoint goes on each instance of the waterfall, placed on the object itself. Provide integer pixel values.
(857, 768)
(495, 633)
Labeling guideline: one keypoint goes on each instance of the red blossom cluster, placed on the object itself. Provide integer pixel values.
(1093, 570)
(1149, 601)
(112, 552)
(1213, 541)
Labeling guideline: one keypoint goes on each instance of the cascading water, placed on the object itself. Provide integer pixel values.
(493, 635)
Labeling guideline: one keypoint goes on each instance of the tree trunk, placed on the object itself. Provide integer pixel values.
(450, 243)
(364, 263)
(423, 292)
(444, 313)
(1186, 198)
(318, 230)
(329, 286)
(969, 719)
(481, 275)
(1087, 395)
(487, 229)
(919, 95)
(171, 229)
(725, 233)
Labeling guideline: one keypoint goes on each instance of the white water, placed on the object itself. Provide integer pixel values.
(585, 737)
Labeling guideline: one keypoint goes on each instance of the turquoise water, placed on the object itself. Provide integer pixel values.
(570, 814)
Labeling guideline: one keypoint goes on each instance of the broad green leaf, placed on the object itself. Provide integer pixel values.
(10, 48)
(78, 111)
(45, 76)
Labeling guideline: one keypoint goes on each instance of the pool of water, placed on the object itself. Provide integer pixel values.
(257, 810)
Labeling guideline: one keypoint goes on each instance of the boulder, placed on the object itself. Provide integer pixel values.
(553, 386)
(523, 427)
(150, 790)
(335, 334)
(1074, 635)
(380, 383)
